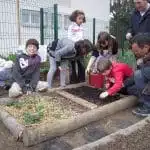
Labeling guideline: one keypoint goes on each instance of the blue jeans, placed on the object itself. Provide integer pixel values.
(140, 80)
(5, 75)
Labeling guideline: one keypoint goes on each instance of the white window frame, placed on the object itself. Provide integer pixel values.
(30, 22)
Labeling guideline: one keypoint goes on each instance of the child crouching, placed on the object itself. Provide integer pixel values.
(115, 75)
(26, 72)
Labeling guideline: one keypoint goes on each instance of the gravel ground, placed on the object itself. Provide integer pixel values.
(140, 140)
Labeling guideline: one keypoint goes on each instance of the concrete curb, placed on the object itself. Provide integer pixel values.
(104, 142)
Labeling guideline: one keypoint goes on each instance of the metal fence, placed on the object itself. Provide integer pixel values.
(24, 19)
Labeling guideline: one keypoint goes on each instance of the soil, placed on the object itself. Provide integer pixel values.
(92, 95)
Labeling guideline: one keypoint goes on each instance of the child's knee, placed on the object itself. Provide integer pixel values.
(15, 90)
(138, 75)
(52, 69)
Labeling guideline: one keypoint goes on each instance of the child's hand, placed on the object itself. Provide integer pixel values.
(107, 85)
(87, 71)
(29, 92)
(103, 95)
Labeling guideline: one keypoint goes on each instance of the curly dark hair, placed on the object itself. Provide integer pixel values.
(84, 44)
(112, 42)
(75, 14)
(32, 42)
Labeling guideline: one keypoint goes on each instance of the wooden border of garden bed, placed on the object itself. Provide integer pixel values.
(38, 134)
(128, 132)
(71, 86)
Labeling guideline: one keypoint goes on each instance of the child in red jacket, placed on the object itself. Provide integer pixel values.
(115, 75)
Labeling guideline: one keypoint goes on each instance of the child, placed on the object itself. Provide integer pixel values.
(106, 47)
(141, 80)
(60, 52)
(115, 75)
(75, 30)
(26, 71)
(75, 33)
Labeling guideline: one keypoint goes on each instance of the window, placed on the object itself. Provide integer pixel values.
(66, 22)
(31, 18)
(59, 21)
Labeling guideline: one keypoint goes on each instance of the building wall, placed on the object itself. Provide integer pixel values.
(93, 8)
(9, 28)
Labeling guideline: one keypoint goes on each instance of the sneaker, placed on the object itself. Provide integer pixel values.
(142, 112)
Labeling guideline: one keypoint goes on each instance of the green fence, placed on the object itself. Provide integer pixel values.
(24, 19)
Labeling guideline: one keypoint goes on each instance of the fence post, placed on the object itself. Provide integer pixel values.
(94, 27)
(41, 26)
(55, 21)
(18, 20)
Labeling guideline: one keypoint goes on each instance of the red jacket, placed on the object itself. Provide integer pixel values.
(118, 74)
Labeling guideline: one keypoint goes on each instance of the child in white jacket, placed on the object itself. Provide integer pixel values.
(75, 33)
(75, 30)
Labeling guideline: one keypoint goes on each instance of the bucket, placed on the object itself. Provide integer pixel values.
(96, 80)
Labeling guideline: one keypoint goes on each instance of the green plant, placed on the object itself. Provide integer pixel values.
(32, 118)
(12, 57)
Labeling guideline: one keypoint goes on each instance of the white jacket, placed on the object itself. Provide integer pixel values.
(75, 32)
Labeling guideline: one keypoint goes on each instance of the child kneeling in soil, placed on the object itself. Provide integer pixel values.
(26, 72)
(115, 75)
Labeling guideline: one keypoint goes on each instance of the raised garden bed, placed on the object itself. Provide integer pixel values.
(31, 121)
(92, 95)
(30, 110)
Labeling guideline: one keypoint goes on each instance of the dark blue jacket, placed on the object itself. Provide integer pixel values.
(26, 68)
(140, 24)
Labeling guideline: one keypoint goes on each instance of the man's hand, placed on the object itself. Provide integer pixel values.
(139, 62)
(128, 36)
(103, 95)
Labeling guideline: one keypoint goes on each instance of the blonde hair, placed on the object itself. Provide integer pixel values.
(103, 65)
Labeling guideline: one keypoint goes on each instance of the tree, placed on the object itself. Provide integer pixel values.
(120, 17)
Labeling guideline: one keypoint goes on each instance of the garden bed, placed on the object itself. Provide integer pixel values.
(31, 110)
(92, 95)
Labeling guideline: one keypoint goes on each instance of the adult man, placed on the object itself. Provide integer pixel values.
(140, 85)
(140, 19)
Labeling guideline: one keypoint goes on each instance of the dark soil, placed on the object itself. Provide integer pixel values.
(3, 93)
(92, 95)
